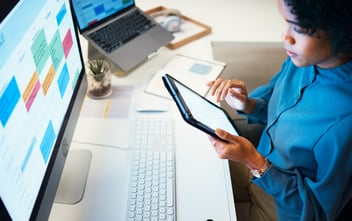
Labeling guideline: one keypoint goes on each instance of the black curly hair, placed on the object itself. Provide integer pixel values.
(331, 16)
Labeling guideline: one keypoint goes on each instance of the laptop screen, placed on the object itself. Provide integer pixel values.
(90, 12)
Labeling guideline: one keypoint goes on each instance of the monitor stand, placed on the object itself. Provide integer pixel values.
(74, 177)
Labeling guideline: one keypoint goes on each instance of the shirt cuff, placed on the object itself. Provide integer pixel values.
(259, 115)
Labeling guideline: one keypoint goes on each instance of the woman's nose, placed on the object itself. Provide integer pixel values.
(286, 37)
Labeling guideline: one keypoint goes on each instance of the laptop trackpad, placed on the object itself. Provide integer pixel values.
(125, 58)
(145, 46)
(135, 52)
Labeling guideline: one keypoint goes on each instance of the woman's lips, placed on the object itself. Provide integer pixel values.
(290, 53)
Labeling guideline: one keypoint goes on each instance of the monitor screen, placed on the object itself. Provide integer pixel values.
(42, 87)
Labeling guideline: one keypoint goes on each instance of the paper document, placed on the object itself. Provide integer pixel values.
(193, 72)
(117, 105)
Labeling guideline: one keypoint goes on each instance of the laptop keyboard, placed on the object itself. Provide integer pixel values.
(151, 193)
(120, 31)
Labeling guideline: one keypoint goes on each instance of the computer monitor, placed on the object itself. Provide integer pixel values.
(42, 87)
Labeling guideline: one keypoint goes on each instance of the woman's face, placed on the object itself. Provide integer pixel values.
(305, 49)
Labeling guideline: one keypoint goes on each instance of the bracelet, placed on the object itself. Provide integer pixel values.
(258, 173)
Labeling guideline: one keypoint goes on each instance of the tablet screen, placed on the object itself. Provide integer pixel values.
(196, 109)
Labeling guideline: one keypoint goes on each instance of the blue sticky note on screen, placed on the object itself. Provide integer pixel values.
(200, 68)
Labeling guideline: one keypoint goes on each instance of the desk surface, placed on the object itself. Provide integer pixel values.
(203, 182)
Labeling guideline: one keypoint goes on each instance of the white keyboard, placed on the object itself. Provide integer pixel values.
(151, 193)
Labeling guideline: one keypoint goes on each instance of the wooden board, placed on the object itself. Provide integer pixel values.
(190, 29)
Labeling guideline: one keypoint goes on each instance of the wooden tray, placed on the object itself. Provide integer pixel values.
(190, 29)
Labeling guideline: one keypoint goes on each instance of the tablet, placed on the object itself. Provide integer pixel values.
(197, 110)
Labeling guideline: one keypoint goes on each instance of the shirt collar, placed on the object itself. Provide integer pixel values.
(335, 75)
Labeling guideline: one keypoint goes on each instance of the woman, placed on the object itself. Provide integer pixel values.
(304, 156)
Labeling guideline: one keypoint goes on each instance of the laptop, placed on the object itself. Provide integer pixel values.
(119, 30)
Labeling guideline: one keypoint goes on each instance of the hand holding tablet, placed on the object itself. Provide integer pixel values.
(197, 110)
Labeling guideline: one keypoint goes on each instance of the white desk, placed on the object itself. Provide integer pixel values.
(203, 183)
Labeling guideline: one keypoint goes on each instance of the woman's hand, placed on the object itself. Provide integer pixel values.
(234, 92)
(237, 149)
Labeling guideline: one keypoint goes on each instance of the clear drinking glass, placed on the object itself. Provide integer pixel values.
(99, 79)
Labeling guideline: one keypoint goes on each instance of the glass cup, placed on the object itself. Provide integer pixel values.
(99, 79)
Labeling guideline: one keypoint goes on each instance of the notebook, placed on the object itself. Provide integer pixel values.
(191, 71)
(119, 30)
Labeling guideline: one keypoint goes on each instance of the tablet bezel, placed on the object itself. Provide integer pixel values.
(186, 113)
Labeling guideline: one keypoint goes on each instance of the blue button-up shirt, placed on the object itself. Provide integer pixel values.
(308, 139)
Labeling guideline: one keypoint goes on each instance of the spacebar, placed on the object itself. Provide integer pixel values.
(129, 37)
